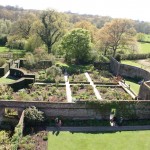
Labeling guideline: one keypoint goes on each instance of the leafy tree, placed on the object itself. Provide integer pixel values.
(88, 26)
(140, 37)
(51, 27)
(77, 45)
(117, 34)
(23, 26)
(32, 43)
(33, 115)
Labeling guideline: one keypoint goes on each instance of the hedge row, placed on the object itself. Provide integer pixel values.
(18, 133)
(134, 56)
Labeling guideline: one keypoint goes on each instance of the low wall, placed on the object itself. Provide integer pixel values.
(21, 83)
(128, 71)
(100, 110)
(144, 92)
(18, 73)
(10, 62)
(4, 69)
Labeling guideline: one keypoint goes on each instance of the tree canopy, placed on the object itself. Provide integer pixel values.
(77, 45)
(51, 27)
(117, 34)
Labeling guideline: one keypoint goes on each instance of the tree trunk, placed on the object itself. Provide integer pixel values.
(49, 49)
(114, 53)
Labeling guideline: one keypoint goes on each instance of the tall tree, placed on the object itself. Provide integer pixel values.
(88, 26)
(22, 27)
(117, 34)
(51, 27)
(77, 45)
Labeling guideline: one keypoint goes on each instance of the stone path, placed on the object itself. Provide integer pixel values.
(68, 90)
(94, 86)
(100, 128)
(129, 91)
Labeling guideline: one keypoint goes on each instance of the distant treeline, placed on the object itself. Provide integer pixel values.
(13, 13)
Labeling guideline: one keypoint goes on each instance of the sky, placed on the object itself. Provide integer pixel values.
(132, 9)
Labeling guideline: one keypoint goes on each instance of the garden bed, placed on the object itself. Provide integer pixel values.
(78, 78)
(49, 93)
(82, 92)
(102, 77)
(113, 93)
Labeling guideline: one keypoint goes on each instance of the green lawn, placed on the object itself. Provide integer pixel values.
(15, 51)
(132, 63)
(144, 48)
(129, 140)
(147, 37)
(133, 85)
(6, 80)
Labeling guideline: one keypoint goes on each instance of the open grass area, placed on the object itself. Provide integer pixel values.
(132, 63)
(129, 140)
(14, 51)
(144, 48)
(133, 85)
(144, 64)
(6, 80)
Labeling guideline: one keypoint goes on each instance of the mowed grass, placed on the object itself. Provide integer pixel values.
(133, 85)
(144, 48)
(6, 80)
(132, 63)
(14, 51)
(126, 140)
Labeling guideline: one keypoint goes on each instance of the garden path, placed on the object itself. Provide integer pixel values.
(128, 90)
(68, 90)
(99, 129)
(94, 86)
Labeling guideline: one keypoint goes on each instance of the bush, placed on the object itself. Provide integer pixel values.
(135, 56)
(45, 138)
(33, 116)
(118, 57)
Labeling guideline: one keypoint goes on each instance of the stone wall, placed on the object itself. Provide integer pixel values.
(144, 92)
(100, 110)
(21, 83)
(4, 69)
(128, 71)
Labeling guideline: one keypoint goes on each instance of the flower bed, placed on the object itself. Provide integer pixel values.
(49, 93)
(78, 78)
(102, 77)
(83, 92)
(113, 93)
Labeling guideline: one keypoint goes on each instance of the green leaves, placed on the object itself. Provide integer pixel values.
(77, 45)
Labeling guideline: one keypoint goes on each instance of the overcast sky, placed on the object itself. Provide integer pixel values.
(134, 9)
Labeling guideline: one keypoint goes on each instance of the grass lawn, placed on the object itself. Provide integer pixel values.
(144, 64)
(144, 48)
(14, 51)
(6, 80)
(132, 63)
(133, 85)
(126, 140)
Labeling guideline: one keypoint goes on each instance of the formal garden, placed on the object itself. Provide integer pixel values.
(77, 71)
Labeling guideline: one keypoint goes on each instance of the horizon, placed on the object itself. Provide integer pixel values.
(129, 9)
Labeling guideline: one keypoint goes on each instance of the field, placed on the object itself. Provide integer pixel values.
(144, 48)
(131, 140)
(144, 64)
(133, 85)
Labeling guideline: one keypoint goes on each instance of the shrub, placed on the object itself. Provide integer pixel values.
(33, 116)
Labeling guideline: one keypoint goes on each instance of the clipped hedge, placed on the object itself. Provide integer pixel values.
(4, 69)
(134, 56)
(18, 133)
